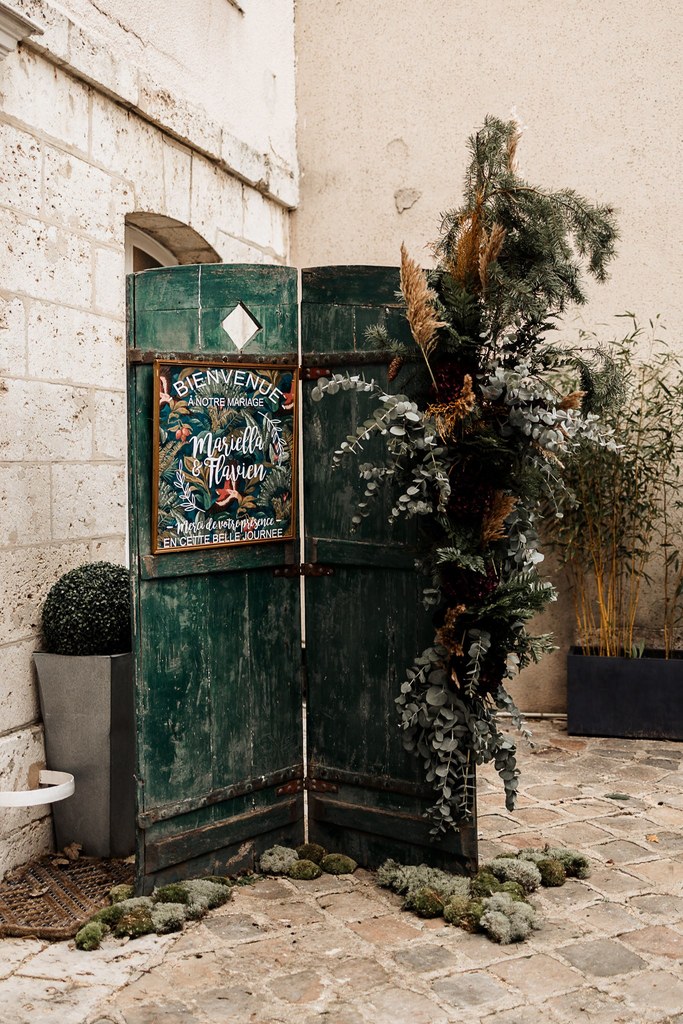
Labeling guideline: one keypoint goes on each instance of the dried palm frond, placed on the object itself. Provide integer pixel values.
(446, 635)
(572, 400)
(419, 298)
(447, 414)
(464, 262)
(490, 250)
(493, 525)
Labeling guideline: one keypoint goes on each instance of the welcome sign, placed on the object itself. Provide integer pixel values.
(224, 458)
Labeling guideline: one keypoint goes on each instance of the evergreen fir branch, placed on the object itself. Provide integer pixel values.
(462, 558)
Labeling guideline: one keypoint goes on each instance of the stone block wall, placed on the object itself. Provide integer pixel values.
(86, 142)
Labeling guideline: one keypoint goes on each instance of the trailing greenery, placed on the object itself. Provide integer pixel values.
(87, 611)
(621, 510)
(477, 449)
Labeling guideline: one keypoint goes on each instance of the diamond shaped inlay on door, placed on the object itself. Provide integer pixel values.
(240, 326)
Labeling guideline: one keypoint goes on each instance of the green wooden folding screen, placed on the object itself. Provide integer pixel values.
(221, 675)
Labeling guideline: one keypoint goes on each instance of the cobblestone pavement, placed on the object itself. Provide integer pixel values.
(340, 950)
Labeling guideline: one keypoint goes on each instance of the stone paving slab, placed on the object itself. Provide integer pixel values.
(341, 951)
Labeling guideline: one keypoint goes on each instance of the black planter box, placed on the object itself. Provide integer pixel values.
(633, 698)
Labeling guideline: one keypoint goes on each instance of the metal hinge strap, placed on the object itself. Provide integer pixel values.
(312, 785)
(303, 569)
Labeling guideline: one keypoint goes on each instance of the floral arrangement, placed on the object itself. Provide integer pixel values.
(477, 447)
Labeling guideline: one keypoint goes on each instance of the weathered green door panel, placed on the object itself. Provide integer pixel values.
(364, 623)
(195, 846)
(205, 295)
(342, 302)
(217, 637)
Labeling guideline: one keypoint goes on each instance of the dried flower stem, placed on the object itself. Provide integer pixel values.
(420, 312)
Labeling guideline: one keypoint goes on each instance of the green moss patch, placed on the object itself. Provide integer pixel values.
(305, 870)
(311, 851)
(166, 910)
(494, 901)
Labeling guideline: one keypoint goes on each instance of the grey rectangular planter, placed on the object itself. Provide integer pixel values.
(87, 704)
(633, 698)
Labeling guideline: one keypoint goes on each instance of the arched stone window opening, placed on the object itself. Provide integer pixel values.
(154, 240)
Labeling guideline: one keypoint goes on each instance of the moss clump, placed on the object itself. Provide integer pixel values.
(206, 891)
(410, 877)
(424, 902)
(305, 870)
(90, 935)
(483, 884)
(513, 889)
(175, 892)
(168, 917)
(552, 872)
(509, 869)
(134, 923)
(203, 895)
(455, 909)
(573, 862)
(338, 864)
(469, 921)
(278, 860)
(166, 910)
(311, 851)
(108, 916)
(507, 920)
(121, 892)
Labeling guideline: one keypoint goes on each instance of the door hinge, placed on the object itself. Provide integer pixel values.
(320, 786)
(295, 786)
(304, 569)
(312, 785)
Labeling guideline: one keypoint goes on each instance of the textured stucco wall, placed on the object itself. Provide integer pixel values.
(92, 131)
(388, 93)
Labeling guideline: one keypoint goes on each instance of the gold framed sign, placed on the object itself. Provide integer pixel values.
(224, 454)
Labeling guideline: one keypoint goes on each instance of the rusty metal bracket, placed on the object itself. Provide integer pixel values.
(290, 572)
(314, 785)
(319, 786)
(295, 786)
(316, 569)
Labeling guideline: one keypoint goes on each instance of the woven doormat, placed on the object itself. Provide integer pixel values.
(52, 901)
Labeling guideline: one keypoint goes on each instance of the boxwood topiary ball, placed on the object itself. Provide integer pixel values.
(87, 611)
